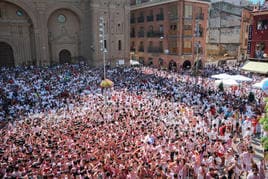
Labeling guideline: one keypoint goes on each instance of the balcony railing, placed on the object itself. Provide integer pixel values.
(173, 33)
(150, 18)
(160, 17)
(188, 33)
(141, 49)
(200, 33)
(133, 2)
(199, 16)
(132, 35)
(133, 20)
(200, 50)
(140, 19)
(173, 17)
(173, 51)
(141, 34)
(155, 34)
(155, 50)
(132, 49)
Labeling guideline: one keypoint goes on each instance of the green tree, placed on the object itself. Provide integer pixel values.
(251, 97)
(221, 88)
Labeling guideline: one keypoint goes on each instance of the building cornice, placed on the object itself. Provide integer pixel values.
(150, 4)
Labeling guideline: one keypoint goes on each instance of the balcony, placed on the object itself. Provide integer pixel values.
(187, 33)
(155, 50)
(140, 19)
(173, 33)
(160, 17)
(200, 50)
(199, 33)
(132, 20)
(133, 2)
(200, 16)
(132, 49)
(155, 34)
(173, 17)
(187, 51)
(172, 51)
(141, 49)
(141, 34)
(132, 35)
(150, 18)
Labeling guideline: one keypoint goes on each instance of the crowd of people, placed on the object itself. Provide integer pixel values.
(154, 124)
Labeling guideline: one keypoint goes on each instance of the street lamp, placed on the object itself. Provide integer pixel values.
(103, 49)
(197, 46)
(102, 44)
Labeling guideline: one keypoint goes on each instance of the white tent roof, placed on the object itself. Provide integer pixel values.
(221, 76)
(134, 62)
(226, 82)
(240, 78)
(257, 85)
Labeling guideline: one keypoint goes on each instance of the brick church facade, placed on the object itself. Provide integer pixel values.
(34, 32)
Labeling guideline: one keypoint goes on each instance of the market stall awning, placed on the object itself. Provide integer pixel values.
(257, 67)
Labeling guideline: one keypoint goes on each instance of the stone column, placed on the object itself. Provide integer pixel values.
(127, 34)
(41, 39)
(37, 46)
(181, 22)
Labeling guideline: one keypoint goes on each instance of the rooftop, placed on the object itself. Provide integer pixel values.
(148, 3)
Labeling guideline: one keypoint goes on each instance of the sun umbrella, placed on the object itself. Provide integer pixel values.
(106, 83)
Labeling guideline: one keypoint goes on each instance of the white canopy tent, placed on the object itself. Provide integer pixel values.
(240, 78)
(134, 62)
(221, 76)
(226, 82)
(257, 85)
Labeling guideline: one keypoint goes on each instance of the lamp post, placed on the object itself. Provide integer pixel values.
(102, 44)
(197, 46)
(103, 49)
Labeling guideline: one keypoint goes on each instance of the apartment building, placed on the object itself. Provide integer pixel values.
(168, 34)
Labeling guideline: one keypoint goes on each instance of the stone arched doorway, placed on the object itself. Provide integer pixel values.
(172, 65)
(63, 33)
(186, 65)
(6, 55)
(65, 56)
(17, 28)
